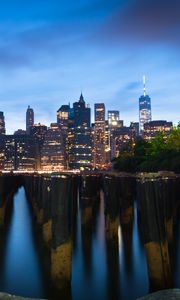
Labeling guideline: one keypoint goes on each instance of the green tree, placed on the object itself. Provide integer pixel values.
(173, 141)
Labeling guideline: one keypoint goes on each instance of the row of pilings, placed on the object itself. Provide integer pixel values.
(56, 199)
(53, 199)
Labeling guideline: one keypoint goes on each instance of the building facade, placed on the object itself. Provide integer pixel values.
(29, 119)
(151, 129)
(2, 123)
(18, 153)
(38, 132)
(81, 113)
(99, 157)
(52, 152)
(79, 147)
(144, 109)
(114, 123)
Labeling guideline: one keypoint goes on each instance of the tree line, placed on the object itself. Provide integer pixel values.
(158, 154)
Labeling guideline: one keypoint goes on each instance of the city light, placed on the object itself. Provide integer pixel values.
(73, 144)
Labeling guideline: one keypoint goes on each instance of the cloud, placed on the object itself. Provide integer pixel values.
(134, 85)
(150, 20)
(40, 44)
(11, 59)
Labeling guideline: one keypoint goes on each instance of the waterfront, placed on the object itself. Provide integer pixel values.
(102, 268)
(105, 265)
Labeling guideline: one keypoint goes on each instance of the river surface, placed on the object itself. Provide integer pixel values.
(100, 270)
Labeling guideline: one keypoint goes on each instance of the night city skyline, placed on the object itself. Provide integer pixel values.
(51, 51)
(90, 149)
(126, 122)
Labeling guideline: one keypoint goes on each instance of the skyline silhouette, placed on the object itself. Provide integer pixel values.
(51, 51)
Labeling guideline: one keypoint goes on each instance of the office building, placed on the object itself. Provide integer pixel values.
(144, 108)
(121, 137)
(38, 131)
(18, 152)
(29, 119)
(151, 129)
(63, 117)
(2, 123)
(101, 146)
(20, 132)
(52, 152)
(81, 113)
(99, 112)
(114, 122)
(65, 120)
(79, 146)
(113, 118)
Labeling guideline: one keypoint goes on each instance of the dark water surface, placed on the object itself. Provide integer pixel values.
(101, 270)
(21, 271)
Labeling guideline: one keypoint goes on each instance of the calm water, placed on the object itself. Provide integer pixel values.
(101, 270)
(21, 270)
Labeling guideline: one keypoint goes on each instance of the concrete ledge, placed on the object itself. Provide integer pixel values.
(171, 294)
(5, 296)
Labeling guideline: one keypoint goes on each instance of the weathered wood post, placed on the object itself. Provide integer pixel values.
(61, 250)
(112, 206)
(89, 196)
(47, 209)
(156, 212)
(127, 189)
(8, 186)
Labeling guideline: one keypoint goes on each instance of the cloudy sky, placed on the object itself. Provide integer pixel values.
(51, 50)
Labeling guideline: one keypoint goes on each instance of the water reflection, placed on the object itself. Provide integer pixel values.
(109, 260)
(21, 271)
(114, 267)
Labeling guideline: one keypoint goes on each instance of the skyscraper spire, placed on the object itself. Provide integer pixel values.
(144, 85)
(81, 99)
(144, 108)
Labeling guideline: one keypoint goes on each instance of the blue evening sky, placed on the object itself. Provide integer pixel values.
(51, 50)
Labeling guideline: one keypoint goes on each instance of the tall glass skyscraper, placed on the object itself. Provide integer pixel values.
(144, 108)
(29, 119)
(2, 123)
(99, 112)
(79, 136)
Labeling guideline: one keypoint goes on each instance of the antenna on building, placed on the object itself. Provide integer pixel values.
(144, 85)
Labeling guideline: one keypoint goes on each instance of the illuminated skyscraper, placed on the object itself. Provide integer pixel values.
(52, 152)
(101, 149)
(99, 112)
(144, 108)
(18, 152)
(79, 137)
(114, 124)
(38, 132)
(2, 123)
(29, 119)
(113, 118)
(63, 117)
(64, 121)
(82, 113)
